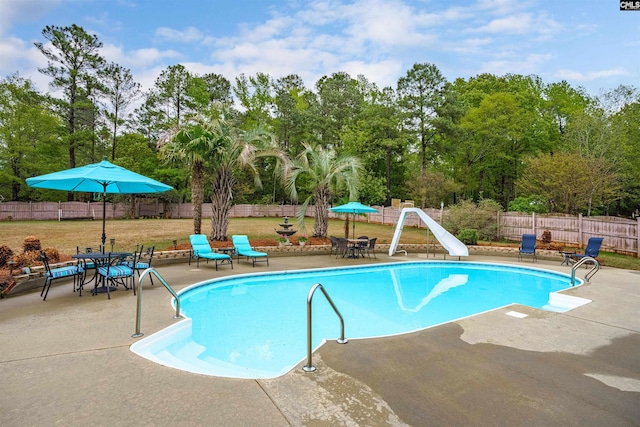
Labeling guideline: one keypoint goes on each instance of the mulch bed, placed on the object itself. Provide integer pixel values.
(254, 242)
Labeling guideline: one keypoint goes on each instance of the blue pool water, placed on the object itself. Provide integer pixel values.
(254, 326)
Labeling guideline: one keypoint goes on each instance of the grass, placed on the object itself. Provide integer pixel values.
(66, 235)
(619, 261)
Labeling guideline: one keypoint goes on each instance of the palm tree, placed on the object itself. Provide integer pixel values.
(324, 171)
(193, 143)
(236, 149)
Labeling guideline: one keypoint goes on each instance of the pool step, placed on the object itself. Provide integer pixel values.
(561, 303)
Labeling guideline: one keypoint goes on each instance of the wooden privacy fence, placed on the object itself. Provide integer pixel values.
(620, 234)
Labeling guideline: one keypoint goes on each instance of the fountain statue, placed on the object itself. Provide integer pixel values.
(285, 230)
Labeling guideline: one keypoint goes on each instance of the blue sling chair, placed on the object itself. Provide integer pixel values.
(243, 248)
(592, 250)
(202, 249)
(528, 247)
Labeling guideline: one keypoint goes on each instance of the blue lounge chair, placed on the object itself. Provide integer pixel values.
(243, 248)
(202, 249)
(528, 246)
(592, 250)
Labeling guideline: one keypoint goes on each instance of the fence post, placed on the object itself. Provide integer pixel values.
(580, 230)
(533, 222)
(638, 238)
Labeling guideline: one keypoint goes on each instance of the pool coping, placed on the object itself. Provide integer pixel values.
(578, 368)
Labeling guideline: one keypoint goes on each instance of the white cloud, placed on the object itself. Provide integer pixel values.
(378, 38)
(546, 27)
(586, 29)
(514, 24)
(17, 11)
(591, 75)
(275, 57)
(328, 37)
(470, 46)
(22, 56)
(382, 23)
(12, 51)
(145, 64)
(137, 58)
(502, 7)
(321, 13)
(389, 25)
(383, 73)
(147, 76)
(188, 35)
(531, 64)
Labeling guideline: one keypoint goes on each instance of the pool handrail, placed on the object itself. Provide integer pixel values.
(590, 273)
(144, 274)
(342, 340)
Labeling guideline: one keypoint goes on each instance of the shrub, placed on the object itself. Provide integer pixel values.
(5, 255)
(482, 217)
(468, 236)
(31, 243)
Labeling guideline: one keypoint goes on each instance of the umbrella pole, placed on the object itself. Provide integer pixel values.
(353, 233)
(104, 218)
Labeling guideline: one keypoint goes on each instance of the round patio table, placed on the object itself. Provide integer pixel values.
(100, 259)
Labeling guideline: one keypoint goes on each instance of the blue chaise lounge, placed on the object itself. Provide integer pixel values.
(202, 249)
(243, 248)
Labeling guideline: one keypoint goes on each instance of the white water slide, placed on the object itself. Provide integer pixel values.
(446, 239)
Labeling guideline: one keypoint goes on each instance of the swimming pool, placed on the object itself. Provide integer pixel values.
(254, 325)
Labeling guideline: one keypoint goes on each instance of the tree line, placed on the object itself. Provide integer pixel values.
(524, 143)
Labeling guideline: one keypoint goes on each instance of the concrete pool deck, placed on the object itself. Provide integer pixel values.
(66, 361)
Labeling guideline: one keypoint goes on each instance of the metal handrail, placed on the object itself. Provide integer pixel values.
(590, 273)
(342, 340)
(144, 274)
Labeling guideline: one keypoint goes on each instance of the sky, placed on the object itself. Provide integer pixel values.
(588, 43)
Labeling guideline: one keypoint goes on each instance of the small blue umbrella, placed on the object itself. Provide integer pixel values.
(103, 177)
(353, 208)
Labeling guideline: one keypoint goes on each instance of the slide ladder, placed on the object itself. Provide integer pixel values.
(448, 241)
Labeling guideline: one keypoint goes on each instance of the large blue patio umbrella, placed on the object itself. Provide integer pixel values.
(353, 208)
(103, 177)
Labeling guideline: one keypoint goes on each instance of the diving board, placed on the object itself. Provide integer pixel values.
(446, 239)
